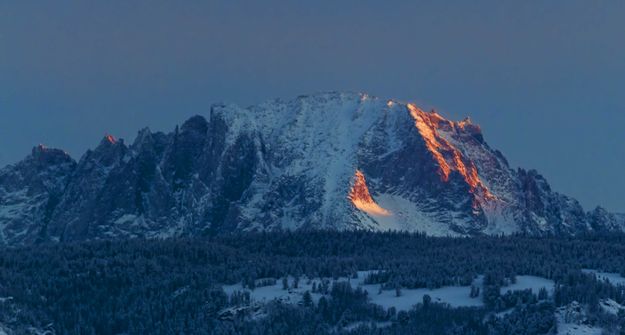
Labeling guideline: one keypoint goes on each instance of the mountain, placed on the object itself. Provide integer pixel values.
(324, 161)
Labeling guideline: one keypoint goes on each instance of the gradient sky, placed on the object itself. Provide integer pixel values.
(544, 79)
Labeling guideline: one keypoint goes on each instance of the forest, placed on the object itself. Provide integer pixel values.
(176, 286)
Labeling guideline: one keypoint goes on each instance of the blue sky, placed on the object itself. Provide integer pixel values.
(545, 80)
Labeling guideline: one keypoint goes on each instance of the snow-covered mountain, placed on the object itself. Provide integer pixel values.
(324, 161)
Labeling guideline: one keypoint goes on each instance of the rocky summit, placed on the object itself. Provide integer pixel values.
(339, 161)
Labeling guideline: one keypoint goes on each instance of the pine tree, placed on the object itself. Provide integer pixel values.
(426, 300)
(307, 299)
(285, 283)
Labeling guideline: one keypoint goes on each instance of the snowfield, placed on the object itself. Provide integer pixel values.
(613, 278)
(572, 320)
(576, 329)
(530, 282)
(610, 306)
(454, 296)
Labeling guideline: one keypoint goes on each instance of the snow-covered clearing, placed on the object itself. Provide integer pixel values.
(610, 306)
(613, 278)
(455, 296)
(357, 324)
(577, 329)
(530, 282)
(572, 320)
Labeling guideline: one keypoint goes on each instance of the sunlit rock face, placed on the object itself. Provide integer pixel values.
(324, 161)
(361, 198)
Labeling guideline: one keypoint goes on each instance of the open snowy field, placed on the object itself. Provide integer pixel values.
(455, 296)
(613, 278)
(530, 282)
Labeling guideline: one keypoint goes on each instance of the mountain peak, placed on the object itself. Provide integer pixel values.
(110, 141)
(449, 158)
(196, 123)
(49, 156)
(327, 160)
(109, 151)
(143, 136)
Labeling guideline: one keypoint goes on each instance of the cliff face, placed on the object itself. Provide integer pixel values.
(326, 161)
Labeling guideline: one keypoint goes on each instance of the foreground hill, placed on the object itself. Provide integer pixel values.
(326, 161)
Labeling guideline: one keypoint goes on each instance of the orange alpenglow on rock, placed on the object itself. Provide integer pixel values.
(428, 124)
(111, 139)
(361, 199)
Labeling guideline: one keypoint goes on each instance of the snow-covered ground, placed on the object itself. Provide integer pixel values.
(610, 306)
(455, 296)
(355, 325)
(530, 282)
(407, 216)
(613, 278)
(575, 329)
(269, 293)
(572, 320)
